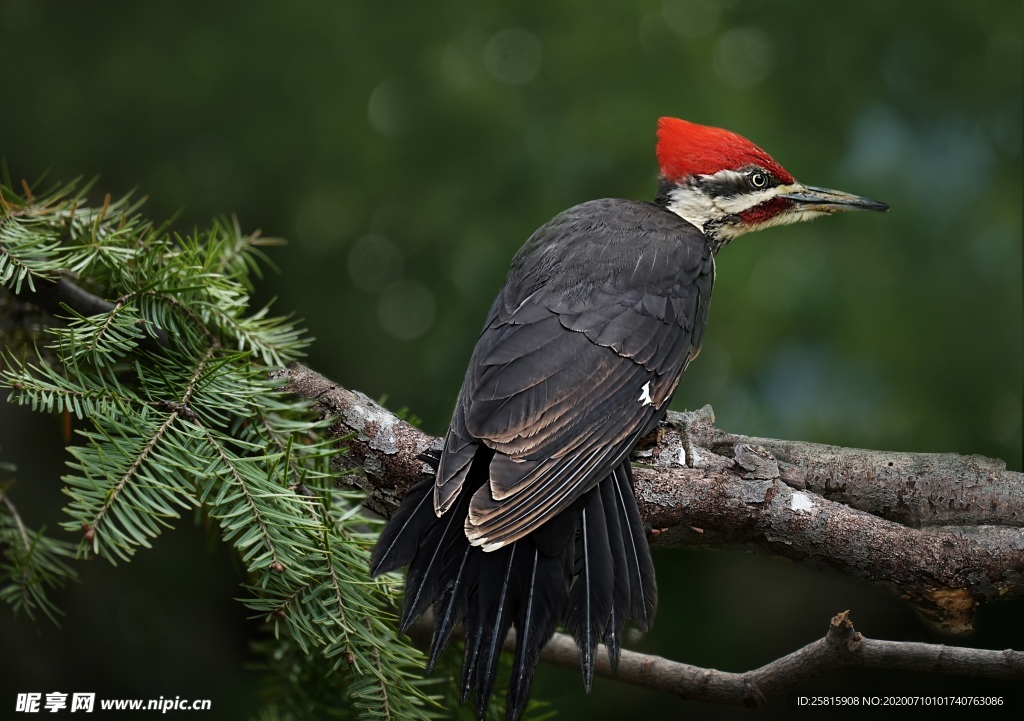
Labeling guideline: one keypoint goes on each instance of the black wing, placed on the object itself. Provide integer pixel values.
(582, 350)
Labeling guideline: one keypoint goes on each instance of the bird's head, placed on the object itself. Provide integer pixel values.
(726, 186)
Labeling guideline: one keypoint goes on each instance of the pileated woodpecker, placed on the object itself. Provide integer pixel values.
(530, 520)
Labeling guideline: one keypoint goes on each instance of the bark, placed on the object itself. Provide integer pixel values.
(915, 489)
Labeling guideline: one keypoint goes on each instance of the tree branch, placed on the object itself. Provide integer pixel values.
(841, 647)
(691, 494)
(915, 489)
(52, 295)
(872, 515)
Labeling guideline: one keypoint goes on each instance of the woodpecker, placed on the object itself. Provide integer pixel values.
(530, 520)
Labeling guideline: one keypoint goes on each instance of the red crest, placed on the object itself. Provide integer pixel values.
(686, 149)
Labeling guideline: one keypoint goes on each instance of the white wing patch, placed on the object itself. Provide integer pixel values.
(645, 395)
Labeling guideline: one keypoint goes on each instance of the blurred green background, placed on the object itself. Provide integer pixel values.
(406, 149)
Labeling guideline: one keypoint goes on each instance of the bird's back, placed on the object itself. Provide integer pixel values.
(531, 520)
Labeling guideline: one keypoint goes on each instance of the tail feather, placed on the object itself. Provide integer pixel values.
(539, 608)
(590, 600)
(428, 576)
(451, 606)
(495, 598)
(470, 665)
(589, 568)
(400, 539)
(642, 586)
(621, 592)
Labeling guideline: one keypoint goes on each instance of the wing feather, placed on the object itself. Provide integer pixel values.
(579, 356)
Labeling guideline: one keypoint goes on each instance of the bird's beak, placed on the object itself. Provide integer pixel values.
(823, 200)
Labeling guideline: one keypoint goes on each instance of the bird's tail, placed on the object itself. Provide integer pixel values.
(588, 568)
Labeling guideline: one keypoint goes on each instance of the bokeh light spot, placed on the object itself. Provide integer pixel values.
(374, 262)
(323, 219)
(743, 57)
(513, 56)
(386, 109)
(406, 309)
(1006, 417)
(691, 18)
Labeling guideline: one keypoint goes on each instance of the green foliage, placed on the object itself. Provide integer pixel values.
(32, 563)
(166, 376)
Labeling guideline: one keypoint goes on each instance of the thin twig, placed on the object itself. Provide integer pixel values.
(841, 647)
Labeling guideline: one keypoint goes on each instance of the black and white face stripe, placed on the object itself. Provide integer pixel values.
(715, 203)
(733, 183)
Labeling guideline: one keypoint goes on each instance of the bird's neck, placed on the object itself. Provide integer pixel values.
(699, 209)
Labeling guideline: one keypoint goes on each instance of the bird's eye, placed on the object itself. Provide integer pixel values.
(758, 179)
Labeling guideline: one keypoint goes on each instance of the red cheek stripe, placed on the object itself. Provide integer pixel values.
(765, 211)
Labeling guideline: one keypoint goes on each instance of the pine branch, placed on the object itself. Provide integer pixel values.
(153, 346)
(53, 295)
(33, 564)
